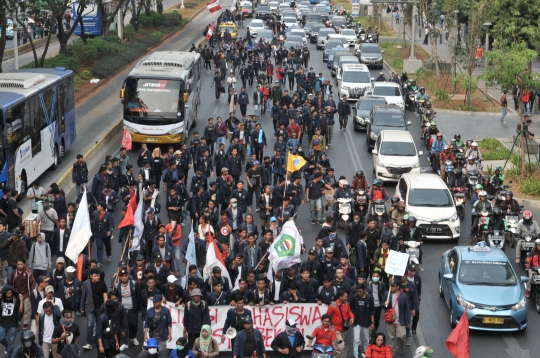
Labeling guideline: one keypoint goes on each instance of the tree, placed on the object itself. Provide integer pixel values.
(59, 7)
(108, 13)
(516, 21)
(431, 14)
(3, 29)
(507, 72)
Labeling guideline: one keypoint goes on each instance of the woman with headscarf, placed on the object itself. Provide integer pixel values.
(182, 350)
(205, 346)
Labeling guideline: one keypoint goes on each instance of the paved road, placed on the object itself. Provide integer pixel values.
(346, 155)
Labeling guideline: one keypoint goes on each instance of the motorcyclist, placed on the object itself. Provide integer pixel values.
(481, 205)
(359, 181)
(525, 226)
(510, 205)
(474, 151)
(343, 192)
(414, 235)
(398, 214)
(457, 181)
(498, 222)
(472, 165)
(457, 143)
(437, 147)
(395, 78)
(404, 230)
(393, 203)
(498, 178)
(421, 96)
(533, 262)
(414, 87)
(380, 78)
(474, 198)
(28, 347)
(404, 78)
(446, 154)
(487, 186)
(378, 192)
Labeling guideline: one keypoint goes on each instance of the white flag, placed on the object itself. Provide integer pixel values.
(286, 248)
(80, 231)
(214, 259)
(139, 225)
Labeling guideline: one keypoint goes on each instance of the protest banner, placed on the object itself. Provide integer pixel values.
(270, 320)
(396, 263)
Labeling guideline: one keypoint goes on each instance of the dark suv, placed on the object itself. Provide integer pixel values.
(262, 12)
(383, 117)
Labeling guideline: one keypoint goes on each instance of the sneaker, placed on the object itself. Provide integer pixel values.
(470, 240)
(326, 147)
(313, 222)
(135, 342)
(408, 341)
(25, 327)
(414, 332)
(109, 259)
(183, 224)
(99, 264)
(518, 260)
(88, 347)
(330, 144)
(123, 347)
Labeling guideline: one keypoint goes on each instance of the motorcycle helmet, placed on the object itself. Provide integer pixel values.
(478, 186)
(422, 89)
(428, 113)
(446, 147)
(457, 136)
(427, 103)
(458, 174)
(470, 158)
(377, 182)
(404, 73)
(426, 97)
(527, 217)
(412, 219)
(496, 212)
(509, 195)
(359, 173)
(409, 83)
(434, 126)
(343, 183)
(485, 178)
(474, 144)
(406, 217)
(413, 82)
(401, 205)
(395, 200)
(439, 135)
(498, 170)
(381, 74)
(28, 340)
(537, 242)
(482, 193)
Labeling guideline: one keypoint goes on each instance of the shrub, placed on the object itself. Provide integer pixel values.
(530, 186)
(441, 95)
(421, 72)
(397, 64)
(129, 33)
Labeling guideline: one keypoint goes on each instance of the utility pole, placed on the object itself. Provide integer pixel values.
(487, 25)
(15, 46)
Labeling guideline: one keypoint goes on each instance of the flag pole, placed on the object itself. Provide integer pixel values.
(261, 260)
(121, 257)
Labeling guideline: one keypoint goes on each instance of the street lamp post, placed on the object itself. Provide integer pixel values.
(182, 5)
(487, 25)
(412, 57)
(455, 43)
(15, 46)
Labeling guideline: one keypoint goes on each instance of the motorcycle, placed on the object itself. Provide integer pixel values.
(496, 239)
(344, 211)
(448, 170)
(323, 351)
(412, 248)
(360, 204)
(527, 244)
(535, 287)
(483, 225)
(419, 105)
(459, 199)
(410, 100)
(378, 212)
(512, 220)
(472, 180)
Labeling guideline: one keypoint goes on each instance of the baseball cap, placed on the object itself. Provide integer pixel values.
(196, 292)
(411, 267)
(70, 269)
(60, 260)
(329, 249)
(150, 210)
(248, 319)
(233, 200)
(122, 272)
(171, 278)
(158, 257)
(41, 279)
(49, 289)
(216, 269)
(256, 162)
(140, 258)
(273, 219)
(158, 298)
(312, 252)
(16, 232)
(122, 263)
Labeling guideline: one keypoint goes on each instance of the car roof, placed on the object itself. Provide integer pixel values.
(355, 67)
(385, 84)
(495, 254)
(396, 136)
(419, 181)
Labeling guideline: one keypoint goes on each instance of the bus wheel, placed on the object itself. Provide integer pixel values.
(56, 159)
(24, 186)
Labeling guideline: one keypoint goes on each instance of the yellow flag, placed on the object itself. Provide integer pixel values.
(295, 162)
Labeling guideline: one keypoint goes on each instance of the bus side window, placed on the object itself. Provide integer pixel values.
(32, 124)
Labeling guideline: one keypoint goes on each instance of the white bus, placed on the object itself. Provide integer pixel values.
(161, 97)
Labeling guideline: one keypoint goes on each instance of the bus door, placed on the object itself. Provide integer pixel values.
(32, 127)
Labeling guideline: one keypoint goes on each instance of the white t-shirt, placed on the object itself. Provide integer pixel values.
(57, 302)
(48, 328)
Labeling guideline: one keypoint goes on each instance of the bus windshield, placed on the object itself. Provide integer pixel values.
(154, 100)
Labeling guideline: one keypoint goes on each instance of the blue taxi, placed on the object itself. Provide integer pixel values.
(483, 279)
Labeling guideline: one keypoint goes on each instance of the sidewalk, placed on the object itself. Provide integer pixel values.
(443, 52)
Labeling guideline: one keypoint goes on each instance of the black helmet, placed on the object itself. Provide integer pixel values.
(412, 219)
(457, 136)
(28, 339)
(404, 73)
(496, 211)
(485, 178)
(510, 194)
(395, 200)
(458, 174)
(360, 173)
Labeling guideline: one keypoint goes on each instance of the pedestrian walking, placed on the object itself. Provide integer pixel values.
(504, 105)
(397, 317)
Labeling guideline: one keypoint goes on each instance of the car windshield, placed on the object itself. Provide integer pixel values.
(331, 45)
(338, 22)
(230, 28)
(267, 34)
(430, 198)
(398, 149)
(486, 273)
(294, 39)
(356, 76)
(298, 32)
(316, 28)
(263, 8)
(386, 91)
(256, 24)
(325, 32)
(371, 49)
(321, 10)
(273, 4)
(348, 32)
(367, 104)
(389, 120)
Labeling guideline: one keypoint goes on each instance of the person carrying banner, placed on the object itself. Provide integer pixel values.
(249, 342)
(235, 317)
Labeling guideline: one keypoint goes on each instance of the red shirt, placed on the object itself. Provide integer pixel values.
(337, 311)
(324, 337)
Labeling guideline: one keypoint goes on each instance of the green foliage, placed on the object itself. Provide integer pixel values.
(156, 20)
(86, 75)
(420, 73)
(530, 186)
(129, 33)
(516, 21)
(467, 82)
(441, 95)
(397, 64)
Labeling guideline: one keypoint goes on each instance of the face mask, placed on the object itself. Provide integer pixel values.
(375, 279)
(152, 350)
(234, 205)
(357, 220)
(65, 322)
(332, 236)
(179, 347)
(299, 149)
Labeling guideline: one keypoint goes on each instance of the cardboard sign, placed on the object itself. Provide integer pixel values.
(396, 264)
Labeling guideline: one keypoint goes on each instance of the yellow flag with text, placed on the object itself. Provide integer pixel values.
(295, 162)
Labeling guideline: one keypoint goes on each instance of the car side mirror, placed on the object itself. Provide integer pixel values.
(374, 151)
(448, 276)
(524, 279)
(420, 153)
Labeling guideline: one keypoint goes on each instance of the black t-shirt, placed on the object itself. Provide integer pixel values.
(254, 174)
(9, 313)
(98, 289)
(58, 330)
(249, 348)
(12, 205)
(4, 204)
(69, 292)
(314, 189)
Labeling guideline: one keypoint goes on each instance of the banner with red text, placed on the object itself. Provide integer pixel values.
(270, 320)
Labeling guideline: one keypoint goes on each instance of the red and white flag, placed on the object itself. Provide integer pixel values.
(214, 259)
(210, 32)
(126, 139)
(213, 6)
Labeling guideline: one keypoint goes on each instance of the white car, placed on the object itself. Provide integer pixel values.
(290, 21)
(427, 198)
(255, 26)
(394, 154)
(299, 32)
(274, 5)
(350, 35)
(390, 91)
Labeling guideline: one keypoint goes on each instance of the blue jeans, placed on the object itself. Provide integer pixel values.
(360, 331)
(99, 243)
(504, 113)
(90, 327)
(9, 272)
(315, 208)
(7, 337)
(79, 188)
(219, 141)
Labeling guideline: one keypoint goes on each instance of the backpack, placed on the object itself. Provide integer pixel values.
(164, 176)
(188, 206)
(334, 287)
(188, 306)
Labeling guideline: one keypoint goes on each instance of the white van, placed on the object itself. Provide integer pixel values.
(394, 154)
(353, 80)
(427, 198)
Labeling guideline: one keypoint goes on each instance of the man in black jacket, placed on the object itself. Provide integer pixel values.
(79, 175)
(103, 226)
(344, 111)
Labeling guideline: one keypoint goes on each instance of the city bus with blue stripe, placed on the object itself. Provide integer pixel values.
(37, 123)
(92, 18)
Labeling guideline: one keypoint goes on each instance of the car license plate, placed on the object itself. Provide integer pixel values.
(434, 230)
(527, 244)
(492, 320)
(150, 139)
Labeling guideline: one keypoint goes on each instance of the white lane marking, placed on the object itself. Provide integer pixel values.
(514, 350)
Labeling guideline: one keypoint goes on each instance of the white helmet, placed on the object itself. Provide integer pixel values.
(474, 144)
(343, 183)
(482, 193)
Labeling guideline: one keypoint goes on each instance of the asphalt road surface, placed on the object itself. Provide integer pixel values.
(347, 154)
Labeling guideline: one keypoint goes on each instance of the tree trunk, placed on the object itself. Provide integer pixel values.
(80, 21)
(25, 31)
(523, 143)
(42, 60)
(3, 39)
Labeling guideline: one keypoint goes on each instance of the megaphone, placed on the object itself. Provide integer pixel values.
(231, 333)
